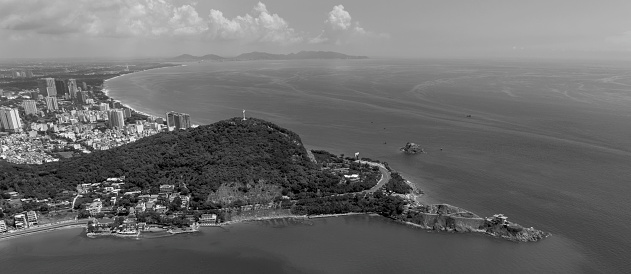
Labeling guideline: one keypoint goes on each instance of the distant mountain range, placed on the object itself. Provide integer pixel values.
(267, 56)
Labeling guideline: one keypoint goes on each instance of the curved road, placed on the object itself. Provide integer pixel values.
(385, 175)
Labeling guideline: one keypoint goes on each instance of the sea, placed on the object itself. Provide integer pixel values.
(545, 142)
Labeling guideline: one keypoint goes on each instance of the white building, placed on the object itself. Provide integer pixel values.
(10, 119)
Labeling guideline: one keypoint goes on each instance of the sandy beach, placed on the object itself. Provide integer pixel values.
(106, 91)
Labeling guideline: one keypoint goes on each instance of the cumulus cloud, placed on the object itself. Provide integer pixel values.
(339, 28)
(259, 25)
(101, 18)
(163, 18)
(339, 19)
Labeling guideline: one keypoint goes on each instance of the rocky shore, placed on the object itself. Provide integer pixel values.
(445, 217)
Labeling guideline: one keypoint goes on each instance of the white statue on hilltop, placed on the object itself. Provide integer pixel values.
(244, 115)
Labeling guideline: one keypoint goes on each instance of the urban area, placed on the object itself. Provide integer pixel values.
(54, 111)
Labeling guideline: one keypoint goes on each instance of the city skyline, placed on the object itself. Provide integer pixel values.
(416, 29)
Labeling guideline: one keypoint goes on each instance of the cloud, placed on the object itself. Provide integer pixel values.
(339, 28)
(118, 18)
(162, 18)
(257, 26)
(339, 19)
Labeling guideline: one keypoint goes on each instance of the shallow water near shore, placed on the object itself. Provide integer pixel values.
(548, 144)
(325, 245)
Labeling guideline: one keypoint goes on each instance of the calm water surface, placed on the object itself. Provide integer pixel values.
(357, 244)
(548, 144)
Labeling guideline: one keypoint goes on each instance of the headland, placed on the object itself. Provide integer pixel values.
(233, 171)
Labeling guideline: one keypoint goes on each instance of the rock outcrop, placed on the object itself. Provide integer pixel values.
(412, 148)
(444, 217)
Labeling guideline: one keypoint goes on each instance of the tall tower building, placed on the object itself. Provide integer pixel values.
(30, 107)
(116, 118)
(61, 87)
(51, 103)
(177, 120)
(47, 87)
(170, 120)
(183, 121)
(72, 88)
(10, 119)
(82, 97)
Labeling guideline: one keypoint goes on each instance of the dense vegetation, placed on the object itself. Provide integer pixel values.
(241, 153)
(386, 205)
(397, 184)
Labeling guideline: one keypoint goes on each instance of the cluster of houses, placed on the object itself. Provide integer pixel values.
(244, 208)
(22, 220)
(29, 218)
(343, 170)
(112, 190)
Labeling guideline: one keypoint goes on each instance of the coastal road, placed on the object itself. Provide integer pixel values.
(385, 175)
(42, 228)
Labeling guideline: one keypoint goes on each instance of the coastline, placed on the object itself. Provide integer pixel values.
(36, 230)
(106, 91)
(416, 195)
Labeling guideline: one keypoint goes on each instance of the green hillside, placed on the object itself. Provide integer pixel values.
(240, 155)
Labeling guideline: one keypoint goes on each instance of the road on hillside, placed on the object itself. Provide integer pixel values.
(385, 175)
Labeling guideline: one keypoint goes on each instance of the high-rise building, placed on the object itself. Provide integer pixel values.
(82, 97)
(183, 121)
(177, 120)
(170, 120)
(115, 104)
(29, 74)
(116, 118)
(127, 112)
(72, 88)
(10, 119)
(30, 107)
(84, 85)
(35, 95)
(47, 87)
(104, 107)
(51, 103)
(61, 87)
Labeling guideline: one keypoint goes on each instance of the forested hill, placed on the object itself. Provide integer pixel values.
(244, 153)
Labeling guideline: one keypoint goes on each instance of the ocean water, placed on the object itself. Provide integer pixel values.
(355, 244)
(548, 144)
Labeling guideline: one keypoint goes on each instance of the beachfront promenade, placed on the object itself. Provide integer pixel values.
(43, 228)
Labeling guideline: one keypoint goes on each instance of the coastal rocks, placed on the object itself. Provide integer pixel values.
(412, 148)
(448, 218)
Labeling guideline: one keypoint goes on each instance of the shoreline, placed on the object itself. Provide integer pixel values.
(106, 91)
(36, 230)
(416, 195)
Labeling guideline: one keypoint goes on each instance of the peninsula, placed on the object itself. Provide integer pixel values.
(235, 170)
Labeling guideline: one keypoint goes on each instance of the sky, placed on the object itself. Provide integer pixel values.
(394, 28)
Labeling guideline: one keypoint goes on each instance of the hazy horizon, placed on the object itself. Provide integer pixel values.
(417, 29)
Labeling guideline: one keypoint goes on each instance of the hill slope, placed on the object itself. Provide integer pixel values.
(296, 56)
(233, 152)
(268, 56)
